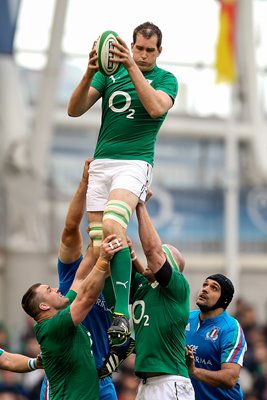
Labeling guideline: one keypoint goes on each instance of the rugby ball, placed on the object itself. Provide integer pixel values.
(103, 46)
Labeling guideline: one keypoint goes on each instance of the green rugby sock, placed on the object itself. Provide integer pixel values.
(120, 270)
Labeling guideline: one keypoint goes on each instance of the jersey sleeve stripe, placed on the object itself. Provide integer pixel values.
(237, 350)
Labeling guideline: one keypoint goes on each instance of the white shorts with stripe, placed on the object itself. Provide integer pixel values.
(167, 387)
(106, 175)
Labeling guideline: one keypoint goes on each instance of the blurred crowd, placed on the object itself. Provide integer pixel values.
(27, 386)
(15, 386)
(254, 372)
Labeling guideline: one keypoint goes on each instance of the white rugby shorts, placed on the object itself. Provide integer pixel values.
(167, 387)
(106, 175)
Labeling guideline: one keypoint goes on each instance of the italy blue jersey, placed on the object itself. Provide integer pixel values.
(97, 322)
(215, 341)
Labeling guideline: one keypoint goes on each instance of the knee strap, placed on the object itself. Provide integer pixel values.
(96, 233)
(119, 211)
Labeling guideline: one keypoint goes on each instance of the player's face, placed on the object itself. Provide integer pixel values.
(53, 297)
(209, 294)
(145, 52)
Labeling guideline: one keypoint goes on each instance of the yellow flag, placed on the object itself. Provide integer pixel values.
(225, 63)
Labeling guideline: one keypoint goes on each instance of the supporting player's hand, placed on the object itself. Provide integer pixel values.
(190, 360)
(85, 175)
(148, 195)
(110, 245)
(39, 361)
(130, 245)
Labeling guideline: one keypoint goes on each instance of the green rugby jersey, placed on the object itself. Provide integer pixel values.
(160, 316)
(67, 356)
(127, 131)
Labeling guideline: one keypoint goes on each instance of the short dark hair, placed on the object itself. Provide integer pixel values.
(29, 303)
(148, 29)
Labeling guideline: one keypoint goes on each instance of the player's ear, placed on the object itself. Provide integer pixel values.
(44, 306)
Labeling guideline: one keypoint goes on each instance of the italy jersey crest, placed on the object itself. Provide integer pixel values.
(213, 333)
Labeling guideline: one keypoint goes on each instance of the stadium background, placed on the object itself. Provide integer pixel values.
(210, 176)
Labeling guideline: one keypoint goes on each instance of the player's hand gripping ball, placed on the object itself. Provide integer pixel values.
(103, 46)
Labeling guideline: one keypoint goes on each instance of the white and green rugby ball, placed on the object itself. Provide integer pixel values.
(103, 46)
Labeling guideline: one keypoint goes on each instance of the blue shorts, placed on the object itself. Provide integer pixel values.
(106, 387)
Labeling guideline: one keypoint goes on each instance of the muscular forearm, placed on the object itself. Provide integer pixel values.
(147, 233)
(86, 265)
(91, 287)
(150, 240)
(221, 378)
(17, 363)
(79, 101)
(88, 291)
(71, 239)
(151, 99)
(138, 266)
(77, 206)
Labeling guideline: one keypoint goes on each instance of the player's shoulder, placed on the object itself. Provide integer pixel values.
(194, 314)
(180, 280)
(228, 322)
(164, 72)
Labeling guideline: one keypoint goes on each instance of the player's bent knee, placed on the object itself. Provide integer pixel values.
(118, 211)
(95, 231)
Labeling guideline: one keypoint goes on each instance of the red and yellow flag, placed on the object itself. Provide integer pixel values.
(225, 63)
